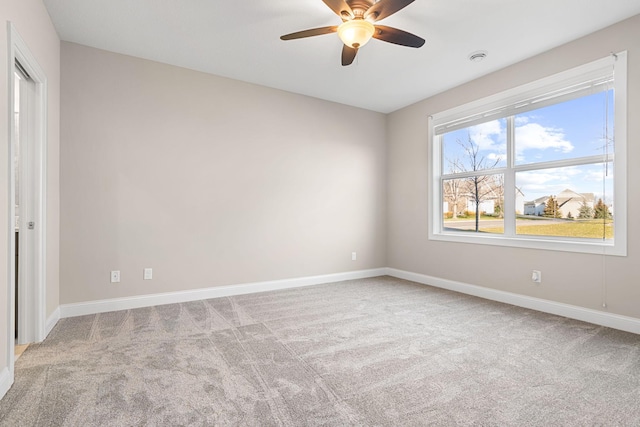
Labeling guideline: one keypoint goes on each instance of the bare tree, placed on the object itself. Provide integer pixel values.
(453, 188)
(479, 187)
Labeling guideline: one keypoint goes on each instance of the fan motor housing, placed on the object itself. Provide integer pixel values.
(359, 7)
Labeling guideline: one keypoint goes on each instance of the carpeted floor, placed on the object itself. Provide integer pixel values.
(372, 352)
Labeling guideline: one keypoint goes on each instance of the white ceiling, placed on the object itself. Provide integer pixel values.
(240, 40)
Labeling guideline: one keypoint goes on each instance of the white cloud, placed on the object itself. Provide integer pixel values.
(581, 179)
(538, 180)
(537, 137)
(536, 184)
(530, 136)
(598, 174)
(495, 156)
(489, 136)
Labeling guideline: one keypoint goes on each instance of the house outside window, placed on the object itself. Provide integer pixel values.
(539, 166)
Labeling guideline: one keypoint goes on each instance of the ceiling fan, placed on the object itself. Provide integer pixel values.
(357, 28)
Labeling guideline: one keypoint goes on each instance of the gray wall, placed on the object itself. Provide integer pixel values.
(208, 180)
(567, 277)
(32, 22)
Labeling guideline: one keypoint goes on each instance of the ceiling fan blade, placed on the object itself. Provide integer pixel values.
(348, 54)
(384, 8)
(310, 33)
(396, 36)
(340, 7)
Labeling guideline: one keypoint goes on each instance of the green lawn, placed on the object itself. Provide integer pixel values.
(579, 228)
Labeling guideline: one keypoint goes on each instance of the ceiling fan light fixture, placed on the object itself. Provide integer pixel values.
(357, 28)
(356, 32)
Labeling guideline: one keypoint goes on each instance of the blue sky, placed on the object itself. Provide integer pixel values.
(562, 131)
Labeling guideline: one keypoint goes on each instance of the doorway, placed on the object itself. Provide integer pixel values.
(24, 90)
(27, 188)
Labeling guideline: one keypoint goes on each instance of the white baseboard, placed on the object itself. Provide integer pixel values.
(616, 321)
(51, 321)
(624, 323)
(6, 380)
(102, 306)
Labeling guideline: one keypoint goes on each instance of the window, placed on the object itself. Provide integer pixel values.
(540, 166)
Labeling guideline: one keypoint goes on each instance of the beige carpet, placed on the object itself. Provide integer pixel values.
(373, 352)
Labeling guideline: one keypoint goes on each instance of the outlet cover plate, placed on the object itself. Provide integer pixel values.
(536, 276)
(115, 276)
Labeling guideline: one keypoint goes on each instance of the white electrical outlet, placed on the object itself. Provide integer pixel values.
(536, 276)
(115, 276)
(148, 274)
(354, 256)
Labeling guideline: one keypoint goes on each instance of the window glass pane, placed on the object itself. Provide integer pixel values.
(575, 201)
(464, 197)
(567, 130)
(475, 148)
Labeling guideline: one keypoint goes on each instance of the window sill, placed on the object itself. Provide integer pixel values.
(587, 246)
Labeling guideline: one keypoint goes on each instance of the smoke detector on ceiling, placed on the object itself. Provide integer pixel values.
(477, 56)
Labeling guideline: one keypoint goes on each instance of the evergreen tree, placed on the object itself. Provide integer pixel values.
(551, 209)
(585, 211)
(497, 209)
(601, 211)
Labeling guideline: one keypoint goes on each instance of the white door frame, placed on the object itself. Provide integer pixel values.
(32, 304)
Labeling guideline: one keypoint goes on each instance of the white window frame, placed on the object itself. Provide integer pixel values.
(482, 110)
